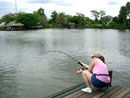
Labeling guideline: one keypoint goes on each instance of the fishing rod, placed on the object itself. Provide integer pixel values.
(65, 54)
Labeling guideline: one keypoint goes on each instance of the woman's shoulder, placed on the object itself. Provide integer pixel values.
(95, 60)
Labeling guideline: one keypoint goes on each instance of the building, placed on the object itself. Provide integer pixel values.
(13, 25)
(71, 25)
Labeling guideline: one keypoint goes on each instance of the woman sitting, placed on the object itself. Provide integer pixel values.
(97, 73)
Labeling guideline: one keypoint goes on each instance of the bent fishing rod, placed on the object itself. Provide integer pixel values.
(65, 54)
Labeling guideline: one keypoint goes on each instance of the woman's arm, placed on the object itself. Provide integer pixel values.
(92, 64)
(85, 65)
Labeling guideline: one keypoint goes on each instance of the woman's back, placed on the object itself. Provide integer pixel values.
(101, 68)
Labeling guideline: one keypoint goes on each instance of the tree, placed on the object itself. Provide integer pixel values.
(88, 20)
(116, 20)
(68, 18)
(60, 19)
(8, 18)
(128, 12)
(123, 15)
(29, 20)
(107, 19)
(98, 15)
(79, 19)
(41, 16)
(128, 9)
(101, 14)
(95, 13)
(54, 16)
(41, 12)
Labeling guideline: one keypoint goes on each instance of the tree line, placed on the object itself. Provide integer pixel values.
(62, 20)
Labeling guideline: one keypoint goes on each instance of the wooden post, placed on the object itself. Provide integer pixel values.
(110, 74)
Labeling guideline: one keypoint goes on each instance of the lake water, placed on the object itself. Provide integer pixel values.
(28, 71)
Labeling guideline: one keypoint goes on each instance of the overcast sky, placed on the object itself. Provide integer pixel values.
(71, 7)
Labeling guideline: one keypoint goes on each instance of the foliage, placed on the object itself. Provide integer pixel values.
(128, 9)
(124, 14)
(79, 19)
(29, 20)
(98, 15)
(101, 14)
(95, 13)
(60, 19)
(106, 19)
(54, 15)
(9, 17)
(41, 16)
(1, 27)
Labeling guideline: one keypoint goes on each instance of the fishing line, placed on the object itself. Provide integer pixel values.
(64, 54)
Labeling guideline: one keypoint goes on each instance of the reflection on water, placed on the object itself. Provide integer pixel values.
(8, 84)
(26, 71)
(124, 46)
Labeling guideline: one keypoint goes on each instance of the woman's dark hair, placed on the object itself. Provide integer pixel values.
(102, 59)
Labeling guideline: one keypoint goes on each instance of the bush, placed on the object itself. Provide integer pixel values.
(1, 27)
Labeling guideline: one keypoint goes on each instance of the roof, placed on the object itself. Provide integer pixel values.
(108, 16)
(3, 24)
(14, 23)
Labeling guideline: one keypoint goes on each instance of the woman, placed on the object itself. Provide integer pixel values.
(97, 73)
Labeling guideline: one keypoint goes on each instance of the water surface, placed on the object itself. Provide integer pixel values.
(26, 71)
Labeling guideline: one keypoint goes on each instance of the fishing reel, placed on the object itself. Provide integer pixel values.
(81, 69)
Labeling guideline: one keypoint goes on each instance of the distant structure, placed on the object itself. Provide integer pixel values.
(71, 25)
(14, 26)
(15, 6)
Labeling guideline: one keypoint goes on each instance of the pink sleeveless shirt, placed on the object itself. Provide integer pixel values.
(101, 68)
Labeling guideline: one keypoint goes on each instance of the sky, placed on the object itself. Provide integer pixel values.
(71, 7)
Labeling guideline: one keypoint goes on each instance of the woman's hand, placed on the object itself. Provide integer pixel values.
(79, 71)
(78, 62)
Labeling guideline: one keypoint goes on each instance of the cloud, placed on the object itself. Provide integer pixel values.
(40, 1)
(71, 7)
(57, 2)
(4, 4)
(6, 7)
(113, 3)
